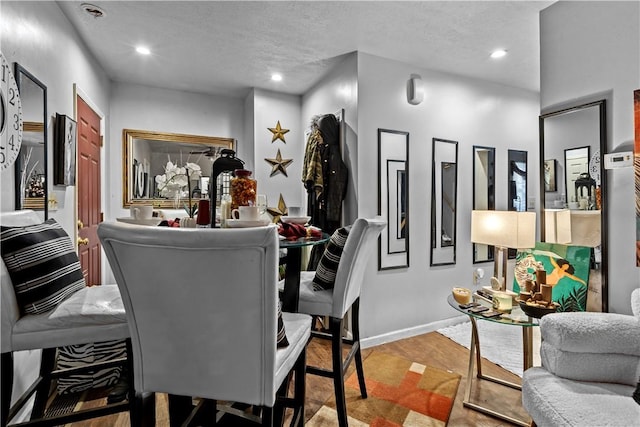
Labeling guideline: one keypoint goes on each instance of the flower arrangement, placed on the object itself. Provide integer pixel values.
(176, 180)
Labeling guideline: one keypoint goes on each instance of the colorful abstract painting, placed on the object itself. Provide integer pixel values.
(567, 270)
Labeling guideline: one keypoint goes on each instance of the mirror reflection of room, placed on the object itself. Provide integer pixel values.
(573, 138)
(150, 155)
(31, 165)
(444, 193)
(484, 170)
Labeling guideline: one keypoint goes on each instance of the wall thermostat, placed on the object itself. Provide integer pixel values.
(618, 160)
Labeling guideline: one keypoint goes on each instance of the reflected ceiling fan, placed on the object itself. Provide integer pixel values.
(209, 152)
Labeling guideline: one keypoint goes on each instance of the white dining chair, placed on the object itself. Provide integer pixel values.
(202, 311)
(335, 303)
(85, 315)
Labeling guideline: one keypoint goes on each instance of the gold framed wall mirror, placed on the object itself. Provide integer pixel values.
(31, 169)
(146, 153)
(579, 132)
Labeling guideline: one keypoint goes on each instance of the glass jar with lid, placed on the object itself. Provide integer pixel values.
(243, 189)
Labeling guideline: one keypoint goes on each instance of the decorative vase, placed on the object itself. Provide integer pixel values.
(187, 222)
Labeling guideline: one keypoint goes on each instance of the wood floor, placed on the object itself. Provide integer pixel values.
(429, 349)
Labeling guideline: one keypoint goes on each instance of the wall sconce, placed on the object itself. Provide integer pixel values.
(415, 92)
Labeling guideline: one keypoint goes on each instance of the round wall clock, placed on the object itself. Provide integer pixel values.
(594, 167)
(10, 116)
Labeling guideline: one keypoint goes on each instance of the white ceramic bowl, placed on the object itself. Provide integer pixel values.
(295, 219)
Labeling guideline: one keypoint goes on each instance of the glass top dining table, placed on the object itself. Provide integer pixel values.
(293, 261)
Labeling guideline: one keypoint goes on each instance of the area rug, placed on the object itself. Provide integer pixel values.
(401, 393)
(500, 344)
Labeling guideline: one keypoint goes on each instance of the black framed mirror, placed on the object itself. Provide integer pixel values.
(393, 198)
(566, 133)
(444, 193)
(31, 169)
(484, 193)
(517, 167)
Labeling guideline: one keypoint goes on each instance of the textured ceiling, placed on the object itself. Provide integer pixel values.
(227, 47)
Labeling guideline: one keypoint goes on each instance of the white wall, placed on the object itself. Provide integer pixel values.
(339, 90)
(32, 35)
(472, 112)
(162, 110)
(269, 108)
(592, 50)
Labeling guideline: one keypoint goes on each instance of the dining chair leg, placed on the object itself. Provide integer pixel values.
(6, 370)
(338, 370)
(355, 323)
(267, 417)
(143, 410)
(47, 365)
(300, 388)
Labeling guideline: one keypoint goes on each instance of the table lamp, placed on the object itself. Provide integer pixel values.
(586, 228)
(557, 226)
(504, 230)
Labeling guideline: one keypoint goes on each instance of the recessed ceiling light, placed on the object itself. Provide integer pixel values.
(143, 50)
(276, 77)
(498, 53)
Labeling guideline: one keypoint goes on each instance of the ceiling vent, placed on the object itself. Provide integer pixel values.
(93, 10)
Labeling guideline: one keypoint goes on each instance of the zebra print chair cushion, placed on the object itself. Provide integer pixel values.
(42, 263)
(86, 354)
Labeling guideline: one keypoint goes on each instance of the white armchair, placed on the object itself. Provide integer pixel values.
(590, 369)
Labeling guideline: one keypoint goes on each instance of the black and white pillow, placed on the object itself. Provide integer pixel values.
(42, 263)
(325, 276)
(281, 336)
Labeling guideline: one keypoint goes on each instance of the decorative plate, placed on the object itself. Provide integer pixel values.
(241, 223)
(295, 219)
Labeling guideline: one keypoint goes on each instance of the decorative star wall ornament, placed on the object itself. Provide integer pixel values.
(276, 213)
(279, 165)
(278, 133)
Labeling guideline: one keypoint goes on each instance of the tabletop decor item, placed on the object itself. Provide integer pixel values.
(243, 189)
(176, 180)
(462, 295)
(537, 310)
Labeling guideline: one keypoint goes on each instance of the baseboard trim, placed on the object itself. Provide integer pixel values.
(410, 332)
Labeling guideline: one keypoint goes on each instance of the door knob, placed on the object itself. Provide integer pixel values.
(82, 241)
(80, 225)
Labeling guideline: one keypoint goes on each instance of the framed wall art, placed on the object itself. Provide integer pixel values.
(64, 150)
(550, 175)
(393, 198)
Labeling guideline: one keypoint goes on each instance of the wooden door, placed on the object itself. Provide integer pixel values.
(89, 191)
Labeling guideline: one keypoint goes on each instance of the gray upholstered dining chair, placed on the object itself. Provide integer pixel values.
(334, 304)
(202, 310)
(62, 312)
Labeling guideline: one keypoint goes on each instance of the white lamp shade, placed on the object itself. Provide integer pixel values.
(585, 228)
(507, 229)
(557, 226)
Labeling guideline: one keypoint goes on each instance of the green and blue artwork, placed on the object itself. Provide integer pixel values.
(567, 269)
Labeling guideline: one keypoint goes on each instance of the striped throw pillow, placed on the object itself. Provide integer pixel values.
(325, 276)
(281, 337)
(42, 263)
